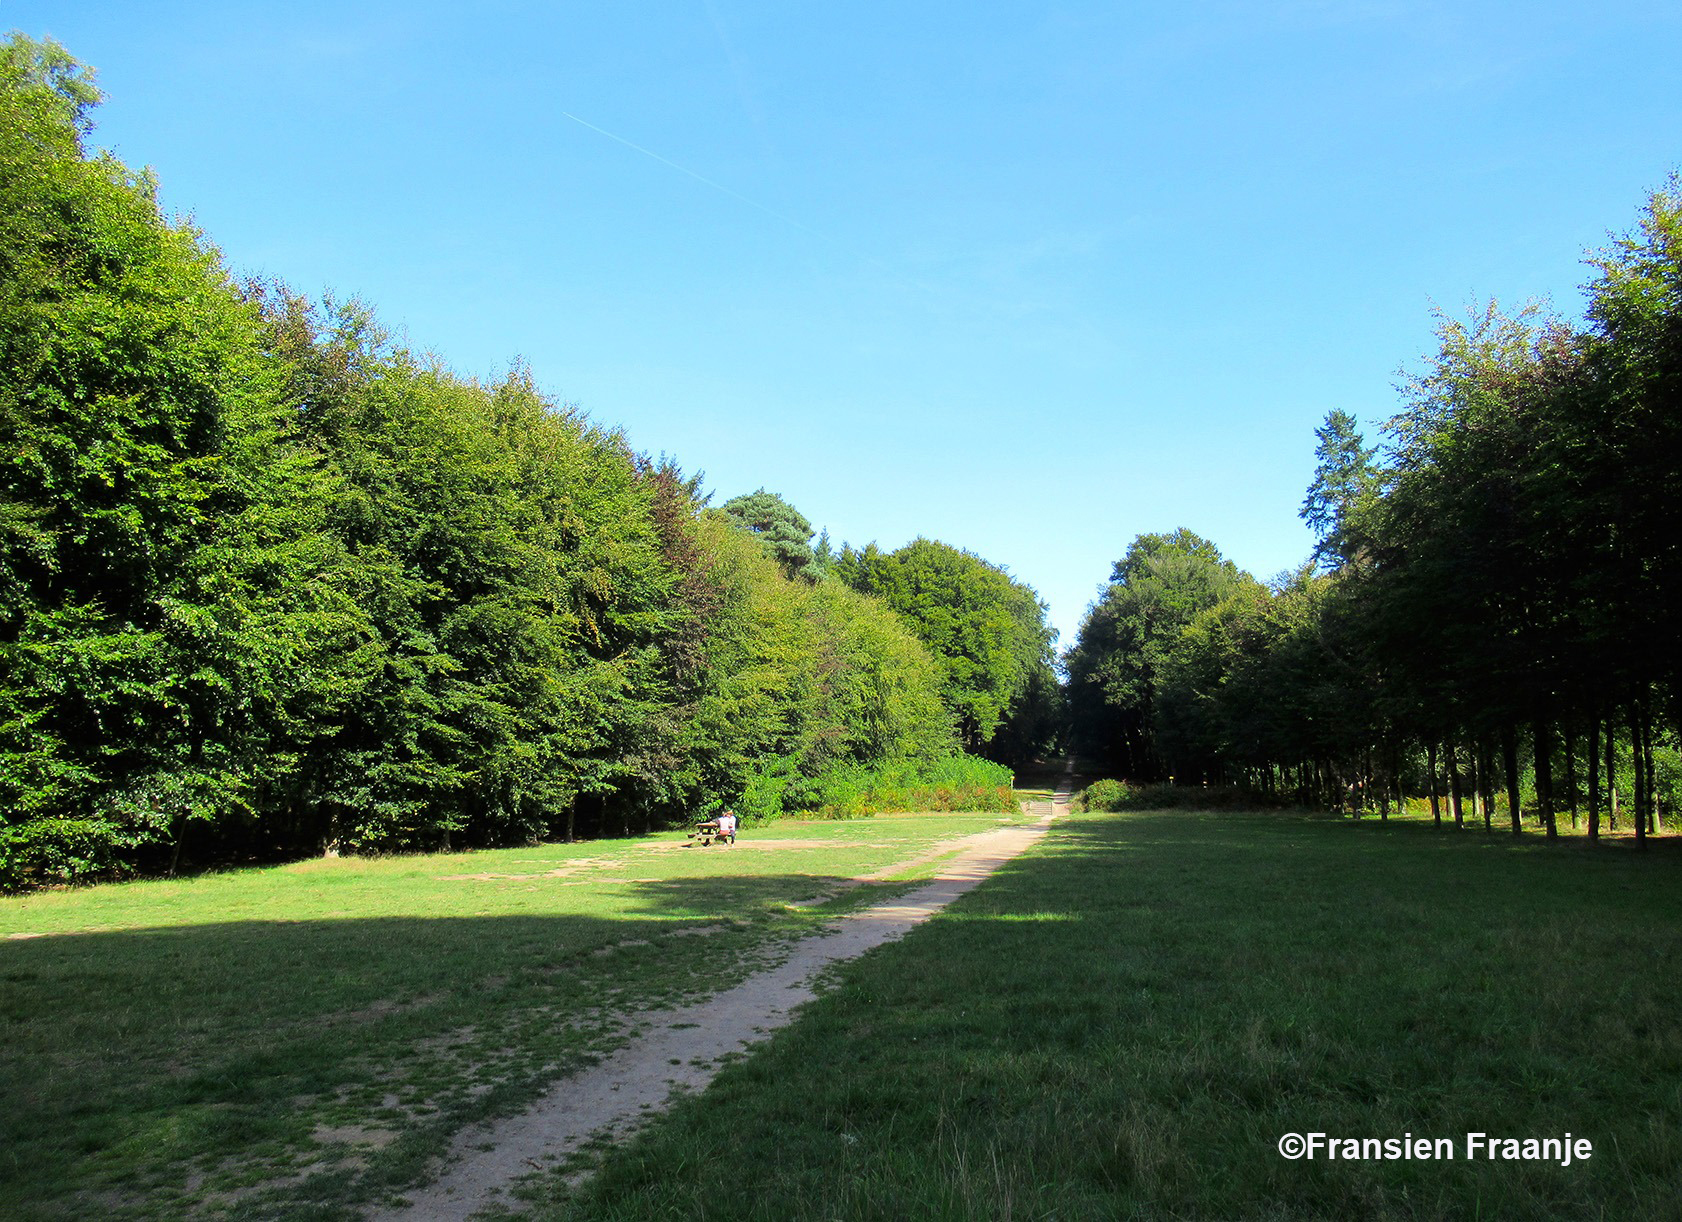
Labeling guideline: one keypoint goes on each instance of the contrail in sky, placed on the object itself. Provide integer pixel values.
(787, 220)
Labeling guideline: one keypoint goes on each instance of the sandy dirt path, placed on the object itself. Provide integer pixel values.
(682, 1049)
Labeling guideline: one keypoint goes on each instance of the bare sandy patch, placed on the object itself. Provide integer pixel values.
(587, 866)
(578, 865)
(355, 1136)
(376, 1010)
(698, 931)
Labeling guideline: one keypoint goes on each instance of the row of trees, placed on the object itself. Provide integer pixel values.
(1490, 617)
(270, 583)
(988, 634)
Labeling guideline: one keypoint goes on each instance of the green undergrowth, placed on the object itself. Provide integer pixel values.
(1124, 1022)
(954, 783)
(299, 1041)
(1110, 796)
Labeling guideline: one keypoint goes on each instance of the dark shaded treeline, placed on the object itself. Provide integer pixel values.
(1491, 618)
(270, 583)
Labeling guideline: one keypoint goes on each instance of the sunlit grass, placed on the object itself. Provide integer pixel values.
(522, 881)
(1418, 810)
(170, 1045)
(1124, 1023)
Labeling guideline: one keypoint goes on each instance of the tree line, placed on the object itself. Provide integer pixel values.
(271, 583)
(1489, 620)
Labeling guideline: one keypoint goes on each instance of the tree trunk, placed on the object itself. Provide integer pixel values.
(1509, 757)
(1543, 736)
(1366, 780)
(1611, 771)
(1394, 790)
(1477, 765)
(1431, 783)
(1454, 786)
(1571, 772)
(178, 828)
(1594, 775)
(1486, 780)
(1652, 786)
(1638, 767)
(1384, 796)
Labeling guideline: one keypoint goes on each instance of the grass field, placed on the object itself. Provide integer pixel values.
(1124, 1023)
(169, 1044)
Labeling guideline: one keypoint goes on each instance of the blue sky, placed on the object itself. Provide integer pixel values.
(1030, 279)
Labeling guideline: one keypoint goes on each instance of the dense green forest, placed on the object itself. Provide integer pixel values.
(1490, 620)
(271, 584)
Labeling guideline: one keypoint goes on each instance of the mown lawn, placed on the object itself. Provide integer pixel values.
(1124, 1023)
(289, 1042)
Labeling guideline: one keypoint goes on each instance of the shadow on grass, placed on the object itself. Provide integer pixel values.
(1125, 1022)
(1133, 1012)
(144, 1072)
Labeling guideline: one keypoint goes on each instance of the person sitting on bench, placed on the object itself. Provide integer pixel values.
(727, 826)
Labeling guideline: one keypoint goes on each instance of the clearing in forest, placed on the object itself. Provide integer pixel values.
(1129, 1019)
(313, 1036)
(679, 1050)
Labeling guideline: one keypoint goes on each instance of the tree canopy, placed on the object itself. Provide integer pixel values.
(987, 632)
(1345, 481)
(780, 527)
(1495, 618)
(270, 583)
(1156, 589)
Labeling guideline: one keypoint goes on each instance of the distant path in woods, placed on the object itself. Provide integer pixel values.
(684, 1048)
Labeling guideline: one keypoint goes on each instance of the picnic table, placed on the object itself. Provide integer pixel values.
(706, 832)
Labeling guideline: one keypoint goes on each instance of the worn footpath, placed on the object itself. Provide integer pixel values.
(681, 1049)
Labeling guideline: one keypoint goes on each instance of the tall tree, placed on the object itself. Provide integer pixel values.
(781, 528)
(1128, 636)
(1345, 481)
(173, 600)
(986, 630)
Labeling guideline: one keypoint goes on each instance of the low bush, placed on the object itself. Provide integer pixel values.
(1104, 795)
(1112, 795)
(56, 850)
(948, 783)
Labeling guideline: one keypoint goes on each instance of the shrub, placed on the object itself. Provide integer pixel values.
(54, 850)
(1104, 795)
(1112, 795)
(948, 783)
